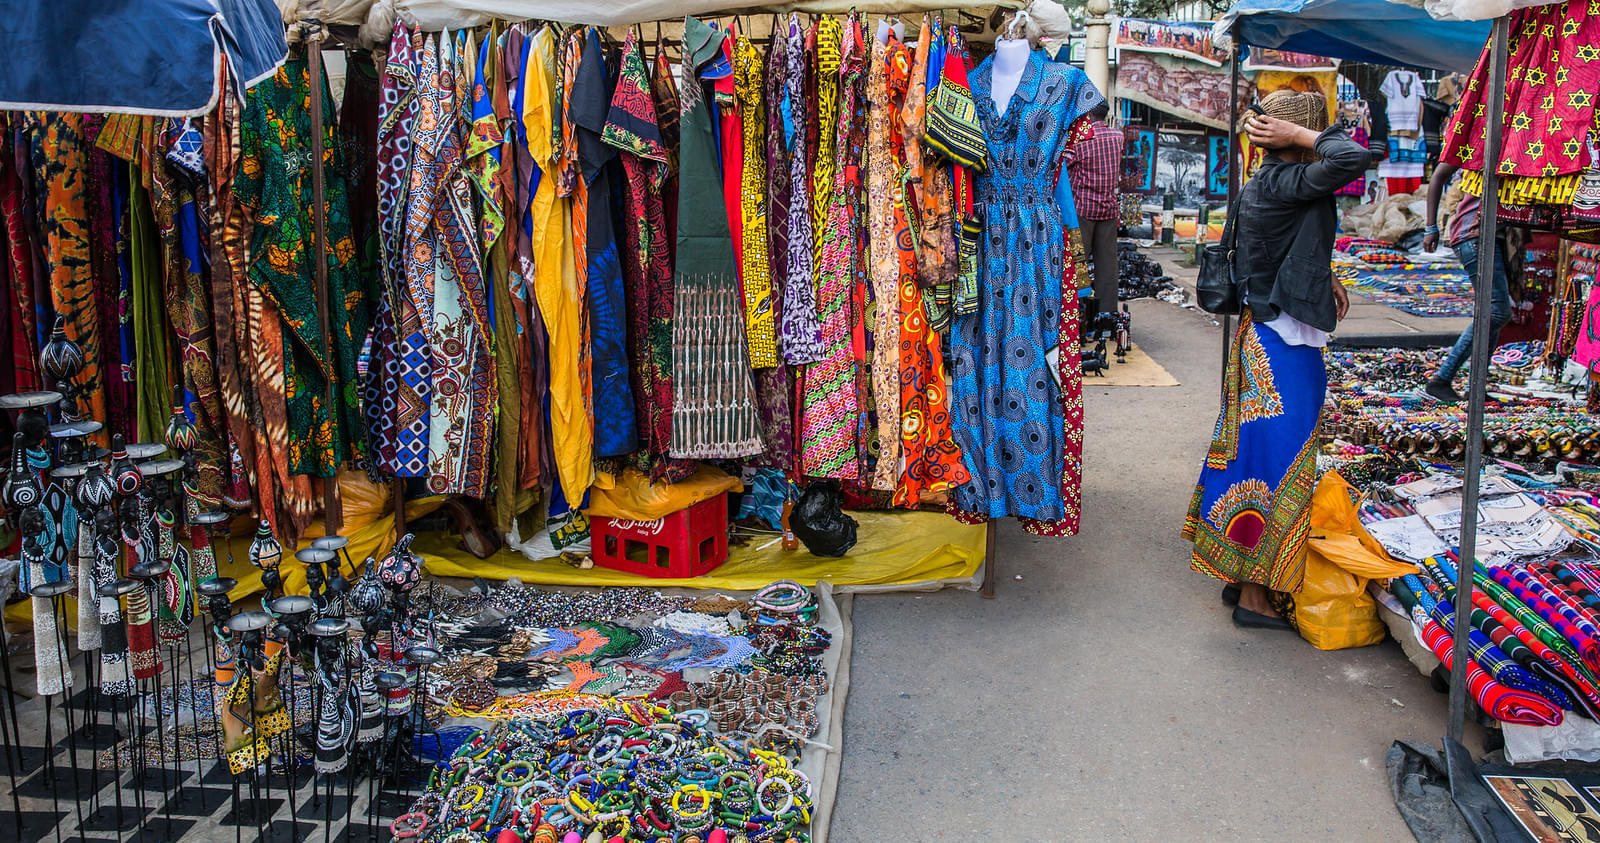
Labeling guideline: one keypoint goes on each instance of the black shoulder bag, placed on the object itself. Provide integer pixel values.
(1217, 287)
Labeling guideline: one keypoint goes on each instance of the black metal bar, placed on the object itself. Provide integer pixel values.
(1233, 189)
(1482, 342)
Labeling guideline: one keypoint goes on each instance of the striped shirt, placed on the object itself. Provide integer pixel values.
(1094, 166)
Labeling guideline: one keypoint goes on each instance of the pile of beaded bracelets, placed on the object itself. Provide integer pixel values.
(640, 774)
(744, 702)
(785, 601)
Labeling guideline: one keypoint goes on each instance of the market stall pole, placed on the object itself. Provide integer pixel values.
(989, 560)
(1478, 385)
(1233, 186)
(313, 32)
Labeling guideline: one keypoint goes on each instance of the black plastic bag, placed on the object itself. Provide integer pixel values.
(819, 521)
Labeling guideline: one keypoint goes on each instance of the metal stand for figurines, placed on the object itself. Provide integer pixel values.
(221, 660)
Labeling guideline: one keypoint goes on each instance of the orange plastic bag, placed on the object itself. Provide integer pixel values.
(1333, 609)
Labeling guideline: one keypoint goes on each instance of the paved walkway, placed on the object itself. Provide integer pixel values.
(1105, 695)
(1366, 318)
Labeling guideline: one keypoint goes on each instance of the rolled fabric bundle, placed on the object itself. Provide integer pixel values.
(1504, 704)
(1530, 619)
(1485, 652)
(1576, 586)
(1561, 617)
(1551, 665)
(1501, 667)
(1560, 596)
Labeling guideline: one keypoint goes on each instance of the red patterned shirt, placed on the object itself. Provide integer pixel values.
(1094, 166)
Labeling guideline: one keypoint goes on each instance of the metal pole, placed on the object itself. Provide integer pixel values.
(1482, 342)
(1233, 186)
(332, 514)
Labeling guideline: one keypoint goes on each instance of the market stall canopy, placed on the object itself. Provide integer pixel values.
(1373, 31)
(377, 17)
(158, 57)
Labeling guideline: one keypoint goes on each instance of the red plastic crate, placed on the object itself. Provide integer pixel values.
(688, 543)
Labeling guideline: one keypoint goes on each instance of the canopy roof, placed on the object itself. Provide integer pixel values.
(1372, 31)
(157, 57)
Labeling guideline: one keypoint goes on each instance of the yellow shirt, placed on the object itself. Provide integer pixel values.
(555, 277)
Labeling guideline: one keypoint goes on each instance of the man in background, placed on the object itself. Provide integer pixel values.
(1094, 168)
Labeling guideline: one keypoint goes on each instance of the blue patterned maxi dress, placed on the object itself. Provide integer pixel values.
(1008, 419)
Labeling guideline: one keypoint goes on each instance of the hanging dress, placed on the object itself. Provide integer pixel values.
(1550, 150)
(714, 413)
(800, 335)
(615, 431)
(555, 278)
(632, 127)
(832, 405)
(1009, 418)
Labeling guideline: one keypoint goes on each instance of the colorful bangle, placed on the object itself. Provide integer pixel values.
(408, 825)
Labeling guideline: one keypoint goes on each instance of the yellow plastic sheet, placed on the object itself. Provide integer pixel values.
(893, 549)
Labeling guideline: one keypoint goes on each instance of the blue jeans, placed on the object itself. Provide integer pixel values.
(1499, 305)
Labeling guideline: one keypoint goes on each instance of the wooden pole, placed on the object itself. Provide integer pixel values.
(333, 514)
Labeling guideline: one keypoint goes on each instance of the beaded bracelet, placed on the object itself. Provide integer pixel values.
(408, 825)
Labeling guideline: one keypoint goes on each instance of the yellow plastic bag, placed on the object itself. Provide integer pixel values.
(1333, 609)
(634, 497)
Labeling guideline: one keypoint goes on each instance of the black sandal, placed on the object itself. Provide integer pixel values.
(1230, 594)
(1246, 619)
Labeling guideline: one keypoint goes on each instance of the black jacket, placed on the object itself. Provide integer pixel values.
(1286, 225)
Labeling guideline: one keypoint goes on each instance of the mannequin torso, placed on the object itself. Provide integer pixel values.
(1010, 59)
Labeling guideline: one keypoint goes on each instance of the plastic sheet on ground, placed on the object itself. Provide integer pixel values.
(897, 551)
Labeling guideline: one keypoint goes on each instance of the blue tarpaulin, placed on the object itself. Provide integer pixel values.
(135, 56)
(1372, 31)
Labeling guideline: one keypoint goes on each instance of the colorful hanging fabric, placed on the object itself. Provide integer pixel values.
(484, 141)
(1551, 112)
(775, 385)
(555, 283)
(22, 350)
(398, 382)
(714, 414)
(59, 154)
(615, 425)
(631, 127)
(800, 333)
(883, 173)
(755, 269)
(828, 56)
(444, 278)
(274, 184)
(1009, 420)
(189, 316)
(831, 404)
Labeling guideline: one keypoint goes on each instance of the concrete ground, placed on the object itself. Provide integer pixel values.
(1105, 694)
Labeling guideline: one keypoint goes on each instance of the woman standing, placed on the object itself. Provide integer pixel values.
(1251, 509)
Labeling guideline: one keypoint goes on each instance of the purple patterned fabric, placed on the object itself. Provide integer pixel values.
(799, 334)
